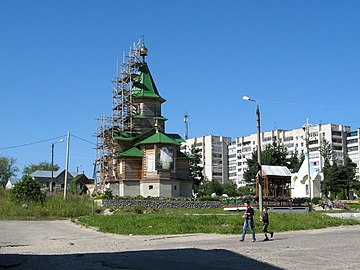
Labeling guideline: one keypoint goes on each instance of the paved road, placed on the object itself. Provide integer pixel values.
(64, 245)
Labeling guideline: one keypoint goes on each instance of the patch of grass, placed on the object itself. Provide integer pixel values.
(180, 221)
(54, 207)
(354, 206)
(140, 221)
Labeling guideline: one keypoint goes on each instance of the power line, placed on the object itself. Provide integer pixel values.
(32, 143)
(72, 135)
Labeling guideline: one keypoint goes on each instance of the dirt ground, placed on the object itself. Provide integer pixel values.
(64, 245)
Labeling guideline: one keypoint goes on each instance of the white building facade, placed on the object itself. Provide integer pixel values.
(214, 155)
(353, 146)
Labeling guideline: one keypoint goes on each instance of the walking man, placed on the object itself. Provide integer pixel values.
(265, 219)
(248, 222)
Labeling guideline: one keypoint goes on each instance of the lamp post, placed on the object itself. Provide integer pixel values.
(259, 176)
(52, 163)
(77, 168)
(306, 128)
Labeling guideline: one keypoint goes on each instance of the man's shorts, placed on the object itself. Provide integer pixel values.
(265, 226)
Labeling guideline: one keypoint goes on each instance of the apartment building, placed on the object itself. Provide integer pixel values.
(353, 147)
(294, 140)
(214, 155)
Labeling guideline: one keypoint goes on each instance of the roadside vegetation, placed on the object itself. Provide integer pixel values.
(53, 207)
(27, 201)
(140, 221)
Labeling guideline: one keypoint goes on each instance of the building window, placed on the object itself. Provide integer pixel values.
(307, 189)
(151, 163)
(174, 187)
(353, 148)
(352, 134)
(151, 187)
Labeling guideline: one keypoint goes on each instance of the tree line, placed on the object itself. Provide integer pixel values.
(339, 176)
(8, 169)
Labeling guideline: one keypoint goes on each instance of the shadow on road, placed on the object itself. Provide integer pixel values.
(173, 259)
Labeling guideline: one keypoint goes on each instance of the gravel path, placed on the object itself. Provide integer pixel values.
(62, 244)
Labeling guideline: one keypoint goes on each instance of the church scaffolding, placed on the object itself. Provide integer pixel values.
(121, 119)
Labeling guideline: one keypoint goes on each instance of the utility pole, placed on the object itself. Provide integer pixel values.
(67, 163)
(52, 167)
(307, 139)
(259, 158)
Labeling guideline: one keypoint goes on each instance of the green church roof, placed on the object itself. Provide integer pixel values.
(176, 137)
(123, 136)
(160, 118)
(145, 86)
(158, 138)
(139, 116)
(132, 152)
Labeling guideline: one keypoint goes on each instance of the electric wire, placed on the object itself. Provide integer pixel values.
(72, 135)
(32, 143)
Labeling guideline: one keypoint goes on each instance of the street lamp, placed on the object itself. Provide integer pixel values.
(77, 168)
(259, 176)
(52, 163)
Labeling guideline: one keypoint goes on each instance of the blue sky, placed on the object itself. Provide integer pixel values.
(300, 59)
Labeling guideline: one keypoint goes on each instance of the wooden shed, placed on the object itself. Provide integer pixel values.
(276, 181)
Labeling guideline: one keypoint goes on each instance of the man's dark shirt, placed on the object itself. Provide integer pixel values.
(249, 214)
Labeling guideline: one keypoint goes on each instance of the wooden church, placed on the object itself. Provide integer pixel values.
(140, 157)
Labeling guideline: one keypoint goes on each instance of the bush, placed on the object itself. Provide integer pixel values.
(27, 189)
(316, 200)
(108, 194)
(73, 185)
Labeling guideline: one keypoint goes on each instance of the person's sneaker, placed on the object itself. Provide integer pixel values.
(241, 240)
(271, 234)
(266, 239)
(253, 240)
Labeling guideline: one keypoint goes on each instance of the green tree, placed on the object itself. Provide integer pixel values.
(295, 161)
(230, 189)
(247, 190)
(339, 179)
(42, 165)
(348, 172)
(326, 151)
(208, 187)
(331, 174)
(7, 169)
(27, 189)
(196, 170)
